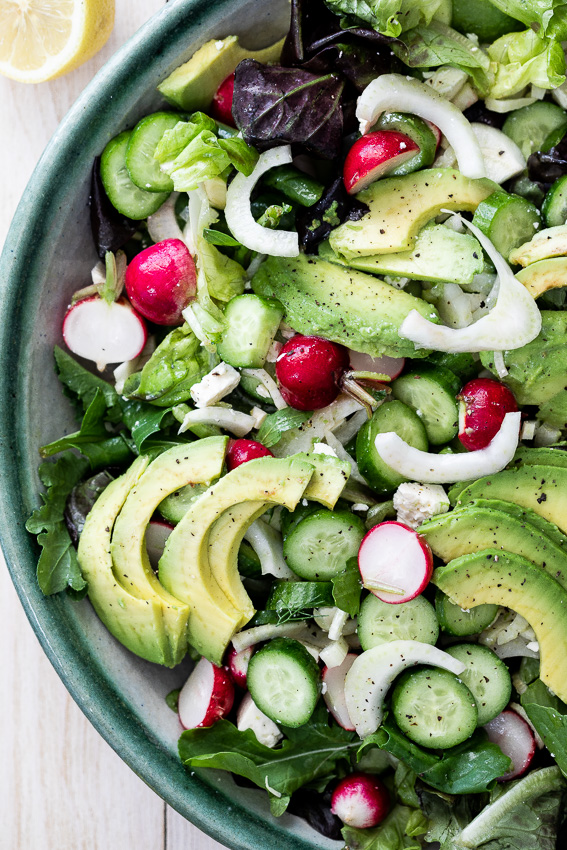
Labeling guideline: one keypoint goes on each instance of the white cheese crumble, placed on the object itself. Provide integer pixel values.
(250, 717)
(259, 416)
(274, 351)
(221, 381)
(415, 503)
(323, 449)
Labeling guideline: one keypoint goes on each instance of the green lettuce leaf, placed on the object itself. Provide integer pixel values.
(523, 58)
(390, 17)
(551, 725)
(546, 17)
(448, 815)
(276, 424)
(399, 831)
(81, 386)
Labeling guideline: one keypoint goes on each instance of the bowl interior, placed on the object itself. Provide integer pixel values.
(48, 255)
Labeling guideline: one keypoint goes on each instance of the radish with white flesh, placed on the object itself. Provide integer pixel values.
(161, 280)
(514, 320)
(373, 672)
(429, 468)
(157, 533)
(395, 562)
(102, 332)
(374, 155)
(238, 664)
(403, 94)
(516, 740)
(249, 716)
(334, 695)
(389, 367)
(483, 404)
(360, 800)
(206, 696)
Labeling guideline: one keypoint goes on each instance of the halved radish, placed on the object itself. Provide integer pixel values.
(238, 664)
(161, 280)
(360, 800)
(483, 404)
(102, 332)
(206, 696)
(395, 562)
(157, 533)
(516, 740)
(334, 696)
(374, 155)
(390, 366)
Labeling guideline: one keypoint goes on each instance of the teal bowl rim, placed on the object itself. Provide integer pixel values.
(138, 63)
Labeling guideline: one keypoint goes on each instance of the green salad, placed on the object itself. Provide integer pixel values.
(320, 372)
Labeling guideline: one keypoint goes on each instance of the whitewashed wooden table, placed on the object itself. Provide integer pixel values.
(61, 785)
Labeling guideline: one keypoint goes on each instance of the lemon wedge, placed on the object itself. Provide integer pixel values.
(42, 39)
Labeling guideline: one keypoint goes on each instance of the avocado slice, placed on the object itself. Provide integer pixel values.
(551, 242)
(544, 275)
(184, 568)
(184, 464)
(439, 255)
(401, 206)
(341, 304)
(137, 623)
(554, 411)
(545, 456)
(192, 85)
(543, 489)
(328, 480)
(495, 577)
(483, 524)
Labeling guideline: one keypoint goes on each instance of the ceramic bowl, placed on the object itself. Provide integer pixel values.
(48, 255)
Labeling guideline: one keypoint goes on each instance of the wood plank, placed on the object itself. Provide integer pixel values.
(181, 835)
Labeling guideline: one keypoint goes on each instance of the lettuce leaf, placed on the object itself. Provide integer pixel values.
(399, 831)
(523, 58)
(389, 17)
(551, 725)
(547, 17)
(276, 424)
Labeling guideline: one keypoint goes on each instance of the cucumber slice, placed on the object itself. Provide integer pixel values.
(434, 708)
(487, 678)
(300, 188)
(143, 169)
(554, 207)
(507, 220)
(530, 126)
(249, 565)
(319, 546)
(431, 392)
(482, 18)
(419, 132)
(289, 519)
(392, 416)
(252, 322)
(175, 506)
(284, 682)
(455, 621)
(124, 195)
(382, 622)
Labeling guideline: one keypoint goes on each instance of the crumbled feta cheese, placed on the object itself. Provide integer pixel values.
(528, 430)
(98, 273)
(250, 717)
(259, 416)
(323, 449)
(414, 503)
(533, 645)
(286, 331)
(360, 506)
(221, 381)
(274, 351)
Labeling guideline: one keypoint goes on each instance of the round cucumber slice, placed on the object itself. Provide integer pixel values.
(487, 678)
(482, 18)
(252, 322)
(124, 195)
(530, 126)
(319, 546)
(381, 622)
(434, 708)
(455, 621)
(143, 169)
(554, 207)
(507, 220)
(431, 392)
(175, 506)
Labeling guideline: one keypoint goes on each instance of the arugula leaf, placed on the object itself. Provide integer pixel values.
(217, 237)
(81, 386)
(347, 588)
(537, 692)
(143, 420)
(308, 753)
(58, 567)
(551, 725)
(276, 424)
(389, 17)
(399, 831)
(447, 816)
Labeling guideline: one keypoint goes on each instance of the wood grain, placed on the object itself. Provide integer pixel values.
(61, 785)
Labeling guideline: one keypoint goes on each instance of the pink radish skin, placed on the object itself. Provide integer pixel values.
(221, 107)
(242, 451)
(157, 533)
(161, 281)
(516, 740)
(238, 664)
(393, 555)
(104, 333)
(334, 696)
(309, 370)
(360, 800)
(391, 366)
(483, 404)
(374, 155)
(206, 696)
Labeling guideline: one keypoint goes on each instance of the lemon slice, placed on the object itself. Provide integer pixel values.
(42, 39)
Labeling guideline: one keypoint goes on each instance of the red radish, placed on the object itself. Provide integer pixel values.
(238, 664)
(206, 696)
(395, 562)
(241, 451)
(483, 404)
(157, 533)
(161, 281)
(360, 800)
(309, 370)
(334, 696)
(102, 332)
(221, 107)
(390, 366)
(516, 740)
(374, 155)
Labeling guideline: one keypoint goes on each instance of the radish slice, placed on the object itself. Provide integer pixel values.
(360, 800)
(334, 696)
(102, 332)
(390, 366)
(238, 664)
(277, 243)
(373, 672)
(516, 740)
(250, 717)
(395, 562)
(404, 94)
(206, 696)
(157, 533)
(428, 468)
(514, 320)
